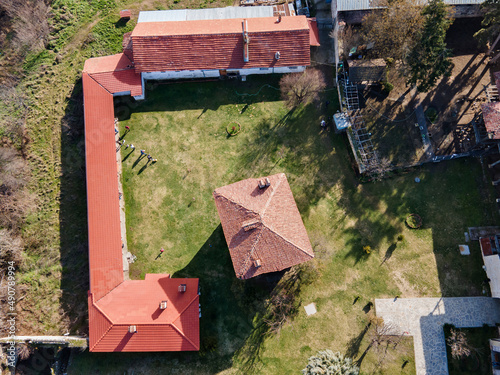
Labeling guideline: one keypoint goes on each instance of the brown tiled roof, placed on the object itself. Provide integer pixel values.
(127, 45)
(491, 117)
(218, 44)
(277, 238)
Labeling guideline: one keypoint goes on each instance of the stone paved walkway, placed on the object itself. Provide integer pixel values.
(423, 318)
(422, 122)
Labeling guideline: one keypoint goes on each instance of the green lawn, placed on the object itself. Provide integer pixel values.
(169, 204)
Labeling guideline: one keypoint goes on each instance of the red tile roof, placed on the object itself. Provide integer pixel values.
(115, 74)
(314, 32)
(105, 245)
(126, 13)
(124, 81)
(115, 304)
(136, 302)
(218, 44)
(278, 238)
(107, 64)
(491, 117)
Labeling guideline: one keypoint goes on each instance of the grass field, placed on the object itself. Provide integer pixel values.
(169, 204)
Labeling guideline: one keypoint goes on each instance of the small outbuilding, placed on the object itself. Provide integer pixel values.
(367, 71)
(125, 14)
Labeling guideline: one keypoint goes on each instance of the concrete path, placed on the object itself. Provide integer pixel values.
(423, 318)
(72, 341)
(422, 123)
(126, 255)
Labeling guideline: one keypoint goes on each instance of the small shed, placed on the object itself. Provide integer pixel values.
(125, 14)
(367, 71)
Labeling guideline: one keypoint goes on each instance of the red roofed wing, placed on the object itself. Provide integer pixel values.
(218, 44)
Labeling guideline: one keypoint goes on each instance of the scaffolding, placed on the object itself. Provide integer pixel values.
(361, 138)
(492, 93)
(363, 143)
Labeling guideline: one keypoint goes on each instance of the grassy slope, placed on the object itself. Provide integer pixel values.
(183, 125)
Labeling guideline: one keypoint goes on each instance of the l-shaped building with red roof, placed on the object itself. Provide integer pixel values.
(161, 313)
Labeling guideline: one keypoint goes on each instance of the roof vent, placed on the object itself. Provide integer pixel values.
(250, 224)
(277, 55)
(182, 288)
(257, 263)
(268, 181)
(279, 18)
(163, 305)
(132, 329)
(246, 41)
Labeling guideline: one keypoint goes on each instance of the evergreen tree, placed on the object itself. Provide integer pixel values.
(326, 362)
(430, 58)
(490, 23)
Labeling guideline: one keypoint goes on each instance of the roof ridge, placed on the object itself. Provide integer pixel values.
(105, 316)
(179, 330)
(111, 71)
(250, 253)
(275, 189)
(96, 81)
(109, 291)
(272, 194)
(237, 203)
(287, 240)
(180, 333)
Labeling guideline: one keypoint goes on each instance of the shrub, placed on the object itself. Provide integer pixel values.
(367, 249)
(387, 87)
(328, 362)
(414, 221)
(401, 237)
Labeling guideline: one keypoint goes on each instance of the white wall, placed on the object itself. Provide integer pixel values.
(183, 74)
(492, 263)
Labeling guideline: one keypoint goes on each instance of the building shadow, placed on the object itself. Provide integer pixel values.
(73, 216)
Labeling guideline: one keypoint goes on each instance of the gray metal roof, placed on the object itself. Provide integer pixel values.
(205, 14)
(348, 5)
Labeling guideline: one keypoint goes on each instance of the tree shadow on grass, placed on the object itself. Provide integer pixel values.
(389, 252)
(355, 343)
(291, 143)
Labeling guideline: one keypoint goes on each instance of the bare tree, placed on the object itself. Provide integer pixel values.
(457, 341)
(302, 88)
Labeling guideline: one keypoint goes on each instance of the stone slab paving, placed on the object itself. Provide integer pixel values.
(422, 122)
(423, 318)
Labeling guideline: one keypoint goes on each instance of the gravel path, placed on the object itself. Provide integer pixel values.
(423, 318)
